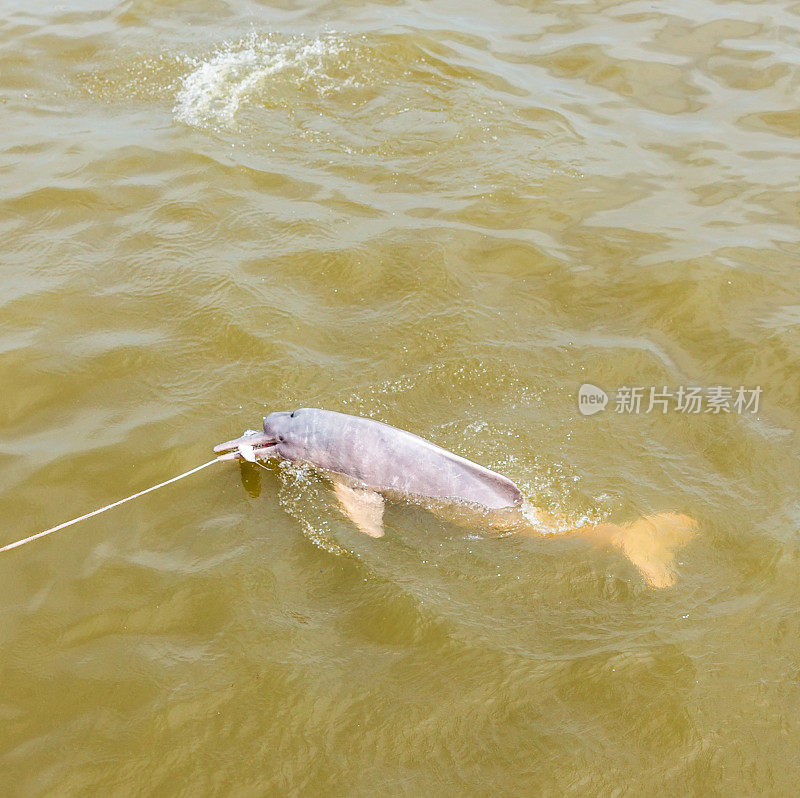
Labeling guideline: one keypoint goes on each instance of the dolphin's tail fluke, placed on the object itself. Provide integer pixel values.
(652, 542)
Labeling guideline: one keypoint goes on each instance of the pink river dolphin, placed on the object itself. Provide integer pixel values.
(369, 461)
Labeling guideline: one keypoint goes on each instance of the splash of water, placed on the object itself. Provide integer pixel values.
(304, 498)
(244, 71)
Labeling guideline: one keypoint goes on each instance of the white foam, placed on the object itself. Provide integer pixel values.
(215, 88)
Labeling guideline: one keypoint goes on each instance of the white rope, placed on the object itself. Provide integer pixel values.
(107, 507)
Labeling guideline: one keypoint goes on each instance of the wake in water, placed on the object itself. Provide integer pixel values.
(377, 95)
(305, 498)
(253, 70)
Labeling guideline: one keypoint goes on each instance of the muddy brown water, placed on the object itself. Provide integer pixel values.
(447, 216)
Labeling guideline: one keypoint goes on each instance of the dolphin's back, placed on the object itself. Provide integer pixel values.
(386, 458)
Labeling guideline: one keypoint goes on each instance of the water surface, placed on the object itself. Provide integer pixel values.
(447, 216)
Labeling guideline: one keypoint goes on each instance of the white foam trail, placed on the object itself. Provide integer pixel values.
(216, 88)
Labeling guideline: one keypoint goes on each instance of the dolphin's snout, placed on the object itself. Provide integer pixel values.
(256, 442)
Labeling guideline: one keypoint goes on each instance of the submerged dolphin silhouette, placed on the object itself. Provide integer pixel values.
(370, 460)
